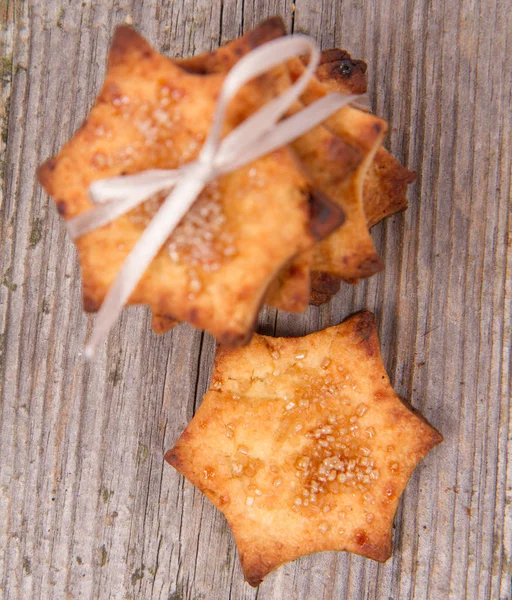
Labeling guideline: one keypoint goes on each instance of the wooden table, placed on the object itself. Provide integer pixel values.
(88, 509)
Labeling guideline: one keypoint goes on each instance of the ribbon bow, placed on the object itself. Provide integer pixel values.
(258, 135)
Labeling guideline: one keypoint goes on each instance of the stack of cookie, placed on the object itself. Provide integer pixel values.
(302, 443)
(284, 230)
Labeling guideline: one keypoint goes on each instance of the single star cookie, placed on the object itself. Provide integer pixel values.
(245, 226)
(304, 446)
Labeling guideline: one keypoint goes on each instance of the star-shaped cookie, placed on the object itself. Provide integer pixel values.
(245, 226)
(304, 446)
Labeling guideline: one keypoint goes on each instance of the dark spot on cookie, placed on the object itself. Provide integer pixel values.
(90, 304)
(294, 270)
(361, 537)
(364, 327)
(348, 66)
(345, 68)
(51, 164)
(325, 215)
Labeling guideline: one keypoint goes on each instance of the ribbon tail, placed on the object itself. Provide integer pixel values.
(116, 196)
(363, 102)
(116, 188)
(153, 238)
(288, 130)
(102, 215)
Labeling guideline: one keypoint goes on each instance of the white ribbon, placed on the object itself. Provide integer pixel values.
(258, 135)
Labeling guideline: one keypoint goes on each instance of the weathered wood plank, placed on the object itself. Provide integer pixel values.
(87, 507)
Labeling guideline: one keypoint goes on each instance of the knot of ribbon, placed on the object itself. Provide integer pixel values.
(260, 134)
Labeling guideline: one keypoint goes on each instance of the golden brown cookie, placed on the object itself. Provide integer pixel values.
(350, 255)
(217, 265)
(304, 446)
(291, 289)
(385, 181)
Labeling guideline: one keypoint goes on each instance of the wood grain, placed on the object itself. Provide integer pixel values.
(87, 507)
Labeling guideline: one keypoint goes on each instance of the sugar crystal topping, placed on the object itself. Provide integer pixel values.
(330, 428)
(202, 240)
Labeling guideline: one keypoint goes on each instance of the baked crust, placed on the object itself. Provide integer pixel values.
(243, 229)
(304, 446)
